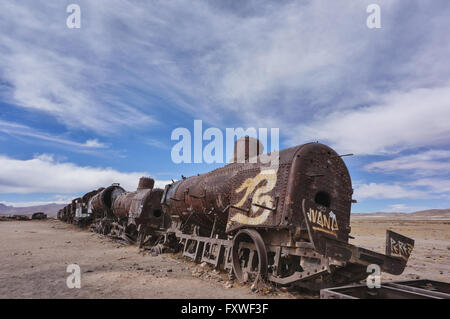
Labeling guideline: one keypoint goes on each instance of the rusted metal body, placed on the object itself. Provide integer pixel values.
(122, 205)
(82, 215)
(434, 288)
(103, 202)
(72, 210)
(146, 209)
(125, 215)
(145, 206)
(410, 289)
(39, 215)
(129, 203)
(21, 217)
(68, 213)
(243, 194)
(63, 214)
(286, 221)
(140, 211)
(206, 200)
(292, 218)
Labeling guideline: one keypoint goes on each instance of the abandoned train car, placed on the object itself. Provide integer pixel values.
(287, 223)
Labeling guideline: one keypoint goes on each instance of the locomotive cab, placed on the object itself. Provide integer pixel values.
(319, 179)
(264, 196)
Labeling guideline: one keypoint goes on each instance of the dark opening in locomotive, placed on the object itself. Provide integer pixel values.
(323, 198)
(157, 213)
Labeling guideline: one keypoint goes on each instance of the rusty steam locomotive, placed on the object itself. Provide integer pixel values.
(288, 224)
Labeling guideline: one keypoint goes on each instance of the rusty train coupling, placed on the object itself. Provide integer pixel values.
(288, 224)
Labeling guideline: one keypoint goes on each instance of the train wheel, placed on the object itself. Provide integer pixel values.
(130, 234)
(249, 256)
(141, 238)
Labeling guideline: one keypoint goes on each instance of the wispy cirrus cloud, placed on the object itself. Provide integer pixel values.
(285, 64)
(15, 129)
(158, 143)
(427, 176)
(425, 188)
(430, 162)
(436, 185)
(56, 76)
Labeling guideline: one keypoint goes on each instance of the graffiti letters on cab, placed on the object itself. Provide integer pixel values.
(323, 222)
(400, 249)
(264, 182)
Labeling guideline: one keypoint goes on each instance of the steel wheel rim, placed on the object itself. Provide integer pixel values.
(260, 250)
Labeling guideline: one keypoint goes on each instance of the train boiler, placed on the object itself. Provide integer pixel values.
(287, 223)
(82, 215)
(65, 213)
(100, 207)
(139, 214)
(70, 211)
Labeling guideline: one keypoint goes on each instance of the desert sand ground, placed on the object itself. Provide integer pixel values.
(34, 256)
(431, 255)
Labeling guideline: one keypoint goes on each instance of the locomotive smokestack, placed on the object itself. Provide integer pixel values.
(246, 148)
(146, 183)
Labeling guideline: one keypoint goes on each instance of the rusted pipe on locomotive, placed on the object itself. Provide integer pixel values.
(246, 148)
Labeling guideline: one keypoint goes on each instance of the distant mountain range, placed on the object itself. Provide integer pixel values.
(49, 209)
(52, 209)
(423, 214)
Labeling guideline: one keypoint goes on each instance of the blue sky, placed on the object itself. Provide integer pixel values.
(81, 108)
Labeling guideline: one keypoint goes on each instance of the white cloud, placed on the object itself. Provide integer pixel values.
(162, 183)
(402, 121)
(311, 68)
(424, 163)
(43, 174)
(398, 207)
(387, 191)
(279, 64)
(55, 74)
(425, 188)
(94, 143)
(403, 208)
(428, 177)
(437, 185)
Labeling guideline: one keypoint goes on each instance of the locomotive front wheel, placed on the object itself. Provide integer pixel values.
(249, 256)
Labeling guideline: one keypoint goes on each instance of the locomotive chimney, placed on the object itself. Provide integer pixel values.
(146, 183)
(246, 148)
